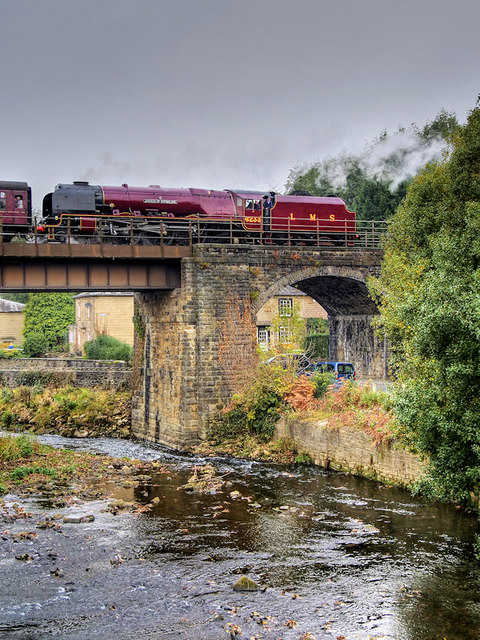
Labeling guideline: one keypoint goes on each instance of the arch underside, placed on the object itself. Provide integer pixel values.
(339, 295)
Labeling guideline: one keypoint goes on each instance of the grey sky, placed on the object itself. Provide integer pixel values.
(220, 93)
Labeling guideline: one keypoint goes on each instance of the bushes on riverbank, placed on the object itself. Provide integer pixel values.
(251, 417)
(67, 411)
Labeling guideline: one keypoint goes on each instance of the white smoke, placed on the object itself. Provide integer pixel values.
(398, 157)
(392, 158)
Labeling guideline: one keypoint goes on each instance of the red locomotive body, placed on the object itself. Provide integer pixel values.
(247, 211)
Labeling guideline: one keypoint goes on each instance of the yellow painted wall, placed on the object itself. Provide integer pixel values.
(112, 315)
(11, 327)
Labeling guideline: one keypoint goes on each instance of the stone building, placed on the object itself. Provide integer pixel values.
(282, 305)
(101, 313)
(11, 323)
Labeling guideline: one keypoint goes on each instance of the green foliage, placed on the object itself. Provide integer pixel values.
(375, 182)
(21, 472)
(321, 382)
(317, 346)
(8, 354)
(47, 316)
(293, 326)
(257, 409)
(35, 345)
(16, 447)
(139, 325)
(42, 379)
(317, 326)
(108, 348)
(66, 410)
(429, 299)
(303, 458)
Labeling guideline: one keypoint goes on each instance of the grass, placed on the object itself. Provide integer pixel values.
(66, 410)
(23, 460)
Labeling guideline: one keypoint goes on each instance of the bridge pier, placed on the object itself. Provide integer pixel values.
(353, 339)
(193, 348)
(196, 345)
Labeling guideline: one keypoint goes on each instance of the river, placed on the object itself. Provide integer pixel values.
(335, 556)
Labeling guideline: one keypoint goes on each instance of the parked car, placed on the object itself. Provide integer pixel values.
(341, 370)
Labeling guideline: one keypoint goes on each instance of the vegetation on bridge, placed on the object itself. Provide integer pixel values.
(429, 298)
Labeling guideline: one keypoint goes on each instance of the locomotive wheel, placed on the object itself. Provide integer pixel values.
(144, 239)
(177, 237)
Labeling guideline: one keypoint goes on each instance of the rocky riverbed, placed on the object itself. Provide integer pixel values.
(159, 553)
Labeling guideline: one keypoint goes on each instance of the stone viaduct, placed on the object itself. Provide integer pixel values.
(193, 344)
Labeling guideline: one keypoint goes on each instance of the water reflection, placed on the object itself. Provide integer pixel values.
(363, 559)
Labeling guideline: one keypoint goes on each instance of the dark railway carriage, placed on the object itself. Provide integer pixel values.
(81, 207)
(15, 207)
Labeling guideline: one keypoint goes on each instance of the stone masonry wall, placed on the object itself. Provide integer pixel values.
(196, 342)
(80, 373)
(186, 369)
(353, 339)
(352, 450)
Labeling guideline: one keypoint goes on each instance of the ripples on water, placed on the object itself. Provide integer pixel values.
(365, 561)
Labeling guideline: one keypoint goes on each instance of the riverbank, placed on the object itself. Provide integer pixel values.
(351, 429)
(64, 477)
(67, 411)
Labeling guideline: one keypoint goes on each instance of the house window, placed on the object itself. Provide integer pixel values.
(88, 308)
(263, 338)
(285, 306)
(284, 335)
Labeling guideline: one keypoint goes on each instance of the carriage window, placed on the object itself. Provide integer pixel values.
(18, 202)
(3, 200)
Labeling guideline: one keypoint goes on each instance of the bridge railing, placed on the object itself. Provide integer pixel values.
(194, 230)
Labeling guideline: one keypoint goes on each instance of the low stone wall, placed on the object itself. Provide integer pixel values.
(352, 450)
(107, 374)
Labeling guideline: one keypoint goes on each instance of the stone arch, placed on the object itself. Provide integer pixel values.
(339, 290)
(343, 293)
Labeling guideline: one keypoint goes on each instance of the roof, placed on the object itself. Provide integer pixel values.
(98, 294)
(8, 306)
(290, 291)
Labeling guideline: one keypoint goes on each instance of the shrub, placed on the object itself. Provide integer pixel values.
(35, 345)
(321, 382)
(108, 348)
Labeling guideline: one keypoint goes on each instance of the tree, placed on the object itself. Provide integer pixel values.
(16, 297)
(374, 182)
(49, 314)
(429, 300)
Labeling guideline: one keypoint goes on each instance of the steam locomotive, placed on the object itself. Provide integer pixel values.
(82, 211)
